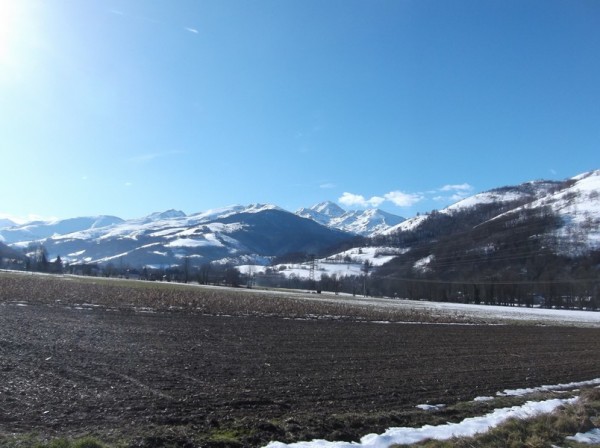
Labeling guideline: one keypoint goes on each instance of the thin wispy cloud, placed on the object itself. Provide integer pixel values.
(458, 197)
(191, 30)
(327, 185)
(118, 12)
(459, 192)
(459, 187)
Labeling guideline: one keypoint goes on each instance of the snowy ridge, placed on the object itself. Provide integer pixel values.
(367, 222)
(528, 191)
(6, 223)
(164, 239)
(579, 207)
(38, 230)
(405, 226)
(576, 201)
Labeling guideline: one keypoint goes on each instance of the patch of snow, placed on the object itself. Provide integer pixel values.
(555, 387)
(347, 263)
(422, 265)
(76, 254)
(591, 437)
(469, 427)
(105, 259)
(209, 240)
(430, 407)
(471, 310)
(167, 232)
(483, 398)
(377, 255)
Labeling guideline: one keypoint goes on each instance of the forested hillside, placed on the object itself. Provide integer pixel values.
(522, 250)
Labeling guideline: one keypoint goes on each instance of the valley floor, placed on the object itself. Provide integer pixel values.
(149, 376)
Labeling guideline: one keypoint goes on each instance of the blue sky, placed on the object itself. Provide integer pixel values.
(126, 107)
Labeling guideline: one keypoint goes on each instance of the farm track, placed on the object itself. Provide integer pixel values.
(188, 378)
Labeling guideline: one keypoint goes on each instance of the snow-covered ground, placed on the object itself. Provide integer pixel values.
(346, 263)
(591, 437)
(469, 427)
(491, 312)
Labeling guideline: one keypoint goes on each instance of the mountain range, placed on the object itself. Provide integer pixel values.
(561, 216)
(367, 222)
(237, 234)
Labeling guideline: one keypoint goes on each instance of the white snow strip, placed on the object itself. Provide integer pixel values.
(469, 427)
(590, 437)
(430, 407)
(76, 254)
(209, 240)
(530, 390)
(483, 398)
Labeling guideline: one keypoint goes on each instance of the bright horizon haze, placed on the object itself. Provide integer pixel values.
(127, 107)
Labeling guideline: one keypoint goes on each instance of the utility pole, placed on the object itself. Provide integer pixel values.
(311, 273)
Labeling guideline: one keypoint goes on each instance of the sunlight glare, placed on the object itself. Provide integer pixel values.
(8, 15)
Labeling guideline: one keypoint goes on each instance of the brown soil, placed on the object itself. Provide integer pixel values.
(179, 378)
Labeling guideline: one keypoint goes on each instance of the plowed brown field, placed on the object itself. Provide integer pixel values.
(181, 377)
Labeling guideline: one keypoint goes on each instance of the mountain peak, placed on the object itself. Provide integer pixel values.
(256, 208)
(362, 222)
(5, 223)
(167, 214)
(328, 208)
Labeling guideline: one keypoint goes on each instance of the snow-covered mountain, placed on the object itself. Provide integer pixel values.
(234, 234)
(577, 204)
(37, 230)
(367, 222)
(4, 223)
(574, 203)
(563, 216)
(323, 212)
